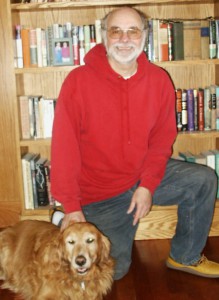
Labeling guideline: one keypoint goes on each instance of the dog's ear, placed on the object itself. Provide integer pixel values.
(105, 249)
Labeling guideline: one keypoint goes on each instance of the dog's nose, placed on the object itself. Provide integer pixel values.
(80, 260)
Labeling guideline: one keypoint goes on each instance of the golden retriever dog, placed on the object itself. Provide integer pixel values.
(40, 262)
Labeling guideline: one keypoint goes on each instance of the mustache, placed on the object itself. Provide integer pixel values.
(128, 44)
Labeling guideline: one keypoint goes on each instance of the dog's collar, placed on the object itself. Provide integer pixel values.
(83, 285)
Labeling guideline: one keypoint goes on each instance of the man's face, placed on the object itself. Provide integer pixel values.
(124, 39)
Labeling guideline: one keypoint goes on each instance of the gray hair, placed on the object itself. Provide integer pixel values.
(143, 17)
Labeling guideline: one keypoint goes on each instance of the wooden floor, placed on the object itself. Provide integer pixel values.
(149, 278)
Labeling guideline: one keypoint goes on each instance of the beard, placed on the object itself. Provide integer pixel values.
(125, 53)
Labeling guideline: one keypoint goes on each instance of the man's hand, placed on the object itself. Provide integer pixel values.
(141, 201)
(76, 216)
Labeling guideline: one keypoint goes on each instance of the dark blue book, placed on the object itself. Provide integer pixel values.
(191, 110)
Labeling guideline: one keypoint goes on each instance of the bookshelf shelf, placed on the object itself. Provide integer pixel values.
(47, 81)
(202, 62)
(87, 3)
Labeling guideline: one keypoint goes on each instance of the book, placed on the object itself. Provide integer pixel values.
(212, 40)
(204, 39)
(184, 111)
(24, 117)
(19, 47)
(41, 187)
(33, 47)
(178, 41)
(47, 167)
(75, 45)
(98, 31)
(200, 109)
(163, 52)
(27, 180)
(192, 39)
(210, 158)
(170, 40)
(217, 38)
(86, 38)
(216, 153)
(33, 161)
(217, 107)
(39, 47)
(213, 106)
(25, 46)
(179, 109)
(207, 108)
(155, 55)
(190, 109)
(195, 95)
(81, 45)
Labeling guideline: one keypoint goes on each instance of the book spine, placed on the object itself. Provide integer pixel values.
(170, 41)
(195, 94)
(163, 51)
(212, 39)
(217, 37)
(92, 36)
(207, 108)
(39, 47)
(24, 117)
(184, 111)
(75, 43)
(213, 106)
(25, 47)
(204, 39)
(179, 109)
(98, 31)
(200, 108)
(19, 49)
(217, 109)
(178, 41)
(86, 38)
(81, 45)
(33, 48)
(190, 108)
(41, 184)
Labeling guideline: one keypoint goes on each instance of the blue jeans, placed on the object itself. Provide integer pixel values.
(190, 186)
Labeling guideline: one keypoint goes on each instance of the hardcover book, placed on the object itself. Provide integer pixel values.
(204, 39)
(41, 187)
(178, 41)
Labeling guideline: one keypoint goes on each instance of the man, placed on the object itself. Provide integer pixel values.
(113, 133)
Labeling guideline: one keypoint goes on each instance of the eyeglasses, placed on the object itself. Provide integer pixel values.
(133, 33)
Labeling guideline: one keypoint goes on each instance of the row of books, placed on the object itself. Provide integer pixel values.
(36, 180)
(36, 116)
(183, 39)
(55, 45)
(197, 109)
(209, 158)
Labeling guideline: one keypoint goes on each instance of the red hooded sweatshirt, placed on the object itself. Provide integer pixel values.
(110, 132)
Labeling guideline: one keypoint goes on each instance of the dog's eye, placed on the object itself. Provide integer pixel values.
(90, 240)
(71, 242)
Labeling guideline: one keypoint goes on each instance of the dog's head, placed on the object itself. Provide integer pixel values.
(85, 248)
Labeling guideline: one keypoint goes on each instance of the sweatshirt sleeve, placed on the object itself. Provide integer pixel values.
(161, 138)
(65, 154)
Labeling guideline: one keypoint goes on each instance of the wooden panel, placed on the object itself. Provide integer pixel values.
(195, 142)
(9, 177)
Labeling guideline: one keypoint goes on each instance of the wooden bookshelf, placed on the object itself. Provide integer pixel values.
(160, 223)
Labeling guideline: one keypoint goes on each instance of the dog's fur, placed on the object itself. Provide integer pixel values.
(40, 262)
